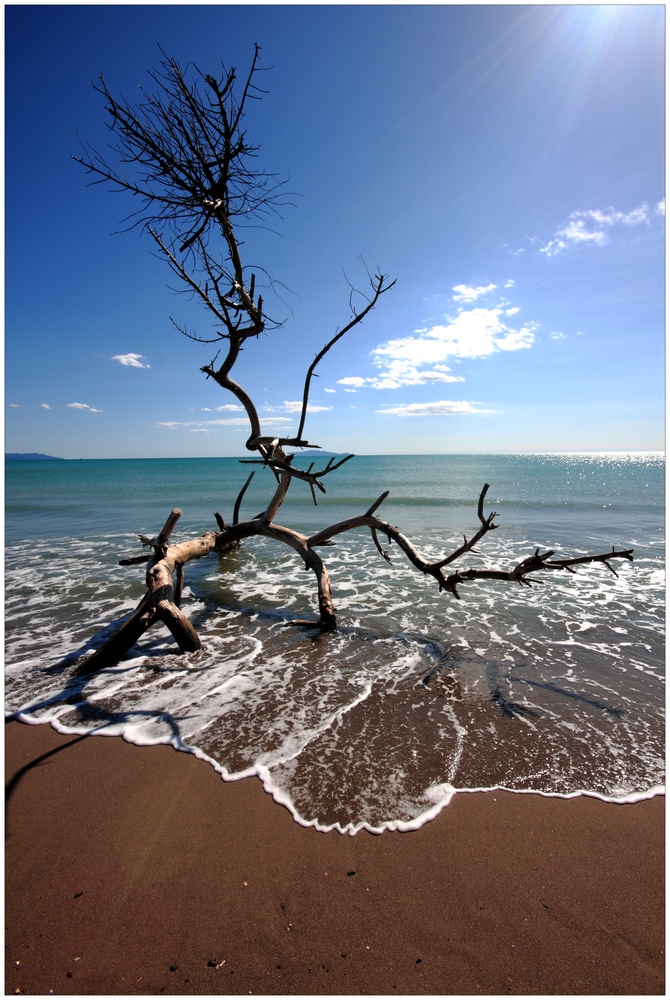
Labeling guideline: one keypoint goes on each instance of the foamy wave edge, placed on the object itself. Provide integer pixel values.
(443, 793)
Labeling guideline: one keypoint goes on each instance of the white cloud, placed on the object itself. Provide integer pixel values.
(130, 360)
(235, 422)
(633, 218)
(557, 336)
(296, 407)
(442, 407)
(660, 208)
(591, 227)
(474, 333)
(509, 283)
(206, 409)
(401, 373)
(175, 424)
(43, 406)
(229, 407)
(419, 359)
(576, 232)
(15, 406)
(330, 390)
(467, 294)
(83, 406)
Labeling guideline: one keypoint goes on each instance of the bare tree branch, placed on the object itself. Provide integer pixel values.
(161, 601)
(240, 495)
(379, 284)
(183, 154)
(434, 568)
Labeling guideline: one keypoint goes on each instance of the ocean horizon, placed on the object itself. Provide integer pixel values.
(557, 689)
(324, 451)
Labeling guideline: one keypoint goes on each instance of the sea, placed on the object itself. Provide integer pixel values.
(556, 689)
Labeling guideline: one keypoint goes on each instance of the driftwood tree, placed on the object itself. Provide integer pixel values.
(183, 154)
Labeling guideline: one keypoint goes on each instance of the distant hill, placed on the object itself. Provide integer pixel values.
(30, 456)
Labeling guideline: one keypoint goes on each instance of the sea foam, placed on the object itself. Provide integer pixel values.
(416, 697)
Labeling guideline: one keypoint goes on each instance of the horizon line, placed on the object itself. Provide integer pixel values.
(326, 451)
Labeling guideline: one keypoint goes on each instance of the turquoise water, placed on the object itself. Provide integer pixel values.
(557, 689)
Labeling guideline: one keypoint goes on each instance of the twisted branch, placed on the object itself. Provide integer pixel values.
(161, 602)
(519, 573)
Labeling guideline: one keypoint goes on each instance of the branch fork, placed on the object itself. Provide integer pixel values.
(197, 182)
(162, 600)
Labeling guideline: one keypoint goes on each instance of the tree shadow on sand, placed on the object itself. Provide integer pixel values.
(11, 785)
(85, 713)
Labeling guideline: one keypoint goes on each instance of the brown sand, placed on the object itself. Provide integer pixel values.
(137, 870)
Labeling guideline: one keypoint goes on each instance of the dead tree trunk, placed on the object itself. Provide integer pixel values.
(160, 603)
(183, 154)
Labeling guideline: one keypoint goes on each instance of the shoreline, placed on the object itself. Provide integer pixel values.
(393, 826)
(133, 860)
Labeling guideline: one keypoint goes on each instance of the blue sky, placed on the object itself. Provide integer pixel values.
(503, 163)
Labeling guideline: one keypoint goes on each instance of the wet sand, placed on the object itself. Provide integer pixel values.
(138, 871)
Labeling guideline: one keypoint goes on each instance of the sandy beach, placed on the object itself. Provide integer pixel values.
(138, 871)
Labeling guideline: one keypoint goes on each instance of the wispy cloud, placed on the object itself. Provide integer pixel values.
(330, 390)
(466, 294)
(83, 406)
(295, 406)
(212, 425)
(399, 373)
(592, 227)
(203, 424)
(557, 336)
(130, 360)
(442, 407)
(15, 406)
(229, 407)
(44, 406)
